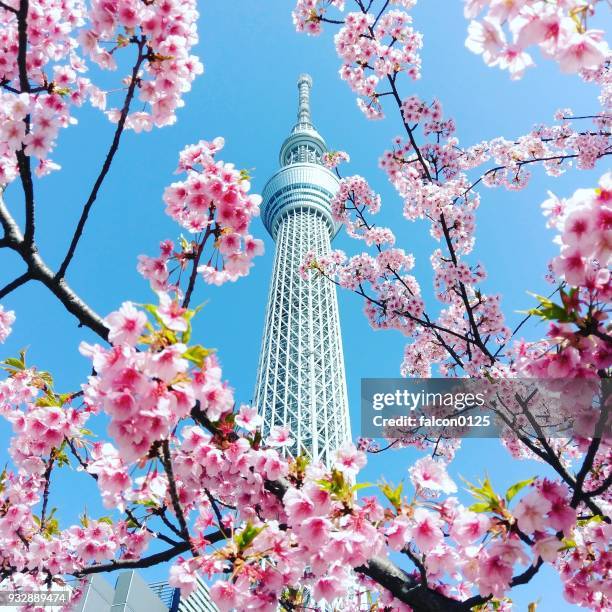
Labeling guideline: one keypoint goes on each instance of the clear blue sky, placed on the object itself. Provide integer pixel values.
(252, 58)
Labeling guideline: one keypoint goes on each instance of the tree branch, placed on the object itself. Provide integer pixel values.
(178, 509)
(149, 561)
(407, 589)
(196, 262)
(38, 270)
(78, 232)
(20, 280)
(23, 160)
(6, 7)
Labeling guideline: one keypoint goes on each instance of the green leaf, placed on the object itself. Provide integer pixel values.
(152, 308)
(189, 314)
(197, 354)
(13, 362)
(515, 488)
(567, 544)
(596, 518)
(147, 503)
(549, 311)
(61, 459)
(46, 401)
(362, 485)
(3, 478)
(245, 538)
(489, 501)
(64, 398)
(186, 335)
(484, 491)
(480, 507)
(47, 378)
(393, 495)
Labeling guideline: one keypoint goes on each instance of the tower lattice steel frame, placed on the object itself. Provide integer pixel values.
(301, 381)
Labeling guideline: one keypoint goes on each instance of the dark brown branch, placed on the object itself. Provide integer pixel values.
(142, 525)
(419, 564)
(166, 460)
(602, 488)
(215, 507)
(46, 490)
(161, 512)
(407, 589)
(196, 262)
(589, 458)
(38, 270)
(6, 7)
(78, 232)
(149, 561)
(524, 162)
(23, 161)
(20, 280)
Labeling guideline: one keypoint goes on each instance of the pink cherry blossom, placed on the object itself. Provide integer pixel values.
(7, 318)
(469, 527)
(280, 436)
(426, 532)
(430, 474)
(349, 460)
(531, 512)
(126, 325)
(247, 418)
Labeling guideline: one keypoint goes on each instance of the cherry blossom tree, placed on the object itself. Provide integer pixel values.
(183, 469)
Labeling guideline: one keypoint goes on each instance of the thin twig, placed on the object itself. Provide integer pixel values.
(78, 232)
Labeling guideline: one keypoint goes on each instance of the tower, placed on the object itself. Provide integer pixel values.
(301, 381)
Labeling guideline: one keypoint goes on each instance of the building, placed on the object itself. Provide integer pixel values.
(301, 380)
(132, 594)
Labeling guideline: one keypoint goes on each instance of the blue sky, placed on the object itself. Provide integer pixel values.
(248, 94)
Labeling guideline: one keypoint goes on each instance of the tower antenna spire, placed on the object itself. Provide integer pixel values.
(304, 85)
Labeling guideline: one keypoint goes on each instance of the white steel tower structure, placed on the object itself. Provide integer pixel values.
(301, 382)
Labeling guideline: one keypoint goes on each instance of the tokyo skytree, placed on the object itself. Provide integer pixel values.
(301, 381)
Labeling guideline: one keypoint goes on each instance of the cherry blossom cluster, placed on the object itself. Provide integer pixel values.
(213, 201)
(164, 33)
(373, 51)
(450, 206)
(486, 542)
(579, 326)
(311, 540)
(146, 392)
(30, 535)
(31, 116)
(353, 193)
(7, 318)
(30, 123)
(308, 14)
(331, 159)
(40, 89)
(553, 147)
(558, 29)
